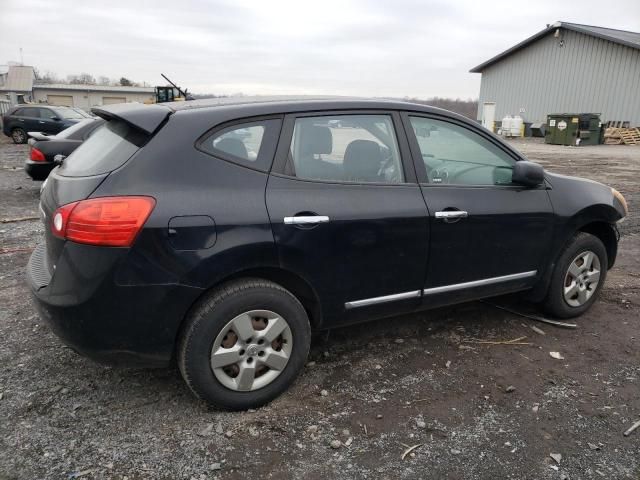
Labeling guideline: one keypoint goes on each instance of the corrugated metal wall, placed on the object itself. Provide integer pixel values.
(587, 74)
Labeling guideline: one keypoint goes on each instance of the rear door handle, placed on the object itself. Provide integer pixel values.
(450, 216)
(306, 220)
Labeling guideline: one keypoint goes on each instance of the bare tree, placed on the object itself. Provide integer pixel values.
(48, 77)
(104, 80)
(82, 79)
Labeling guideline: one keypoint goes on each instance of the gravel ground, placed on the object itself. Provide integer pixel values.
(472, 410)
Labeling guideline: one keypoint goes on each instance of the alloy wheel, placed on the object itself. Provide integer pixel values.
(582, 279)
(252, 350)
(18, 136)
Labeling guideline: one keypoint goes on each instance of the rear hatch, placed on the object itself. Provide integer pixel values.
(80, 174)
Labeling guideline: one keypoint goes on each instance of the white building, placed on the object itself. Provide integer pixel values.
(87, 96)
(568, 68)
(18, 85)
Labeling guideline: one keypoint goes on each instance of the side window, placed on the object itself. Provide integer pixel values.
(345, 148)
(250, 144)
(19, 112)
(31, 112)
(453, 154)
(46, 113)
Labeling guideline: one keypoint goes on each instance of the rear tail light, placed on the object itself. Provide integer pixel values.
(104, 221)
(36, 155)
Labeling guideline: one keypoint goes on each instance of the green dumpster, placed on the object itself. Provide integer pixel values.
(574, 129)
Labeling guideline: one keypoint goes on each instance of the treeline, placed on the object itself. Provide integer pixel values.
(85, 79)
(468, 108)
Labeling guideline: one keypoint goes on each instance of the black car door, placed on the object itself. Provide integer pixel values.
(488, 235)
(47, 122)
(347, 215)
(30, 119)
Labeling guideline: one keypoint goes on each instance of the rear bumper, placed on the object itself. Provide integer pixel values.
(133, 325)
(38, 170)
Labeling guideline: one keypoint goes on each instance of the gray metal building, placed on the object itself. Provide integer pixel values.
(566, 67)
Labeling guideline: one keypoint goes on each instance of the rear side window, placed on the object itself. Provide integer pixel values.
(345, 148)
(250, 144)
(107, 149)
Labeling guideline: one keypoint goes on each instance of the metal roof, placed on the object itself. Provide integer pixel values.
(93, 88)
(623, 37)
(19, 79)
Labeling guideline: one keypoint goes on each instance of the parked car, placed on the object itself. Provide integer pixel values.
(166, 240)
(38, 118)
(44, 148)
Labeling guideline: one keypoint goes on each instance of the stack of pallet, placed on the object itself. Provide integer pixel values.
(619, 136)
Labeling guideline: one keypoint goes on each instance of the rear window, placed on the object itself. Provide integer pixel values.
(66, 112)
(68, 132)
(107, 149)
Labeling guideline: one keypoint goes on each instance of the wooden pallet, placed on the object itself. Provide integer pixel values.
(620, 136)
(630, 136)
(617, 124)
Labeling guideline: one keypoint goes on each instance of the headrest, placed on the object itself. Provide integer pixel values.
(362, 161)
(233, 146)
(316, 140)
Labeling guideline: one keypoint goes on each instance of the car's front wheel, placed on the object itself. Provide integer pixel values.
(244, 344)
(18, 135)
(578, 277)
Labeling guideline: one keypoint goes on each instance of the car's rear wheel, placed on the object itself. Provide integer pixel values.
(577, 277)
(18, 135)
(244, 344)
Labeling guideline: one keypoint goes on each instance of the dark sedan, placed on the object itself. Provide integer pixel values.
(45, 148)
(37, 118)
(220, 233)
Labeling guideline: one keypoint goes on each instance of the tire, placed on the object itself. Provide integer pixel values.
(204, 334)
(577, 300)
(18, 135)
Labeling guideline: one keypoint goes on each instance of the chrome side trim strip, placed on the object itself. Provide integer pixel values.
(479, 283)
(386, 298)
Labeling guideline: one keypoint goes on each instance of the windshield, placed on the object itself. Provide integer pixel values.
(110, 146)
(66, 112)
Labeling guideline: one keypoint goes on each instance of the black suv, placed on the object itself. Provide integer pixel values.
(221, 233)
(20, 120)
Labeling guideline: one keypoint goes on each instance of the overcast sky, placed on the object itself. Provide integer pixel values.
(419, 48)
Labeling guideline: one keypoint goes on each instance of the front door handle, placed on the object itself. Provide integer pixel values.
(450, 216)
(306, 220)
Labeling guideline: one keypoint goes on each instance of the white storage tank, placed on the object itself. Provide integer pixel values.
(516, 126)
(505, 128)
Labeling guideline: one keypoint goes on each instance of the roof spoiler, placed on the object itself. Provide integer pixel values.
(143, 117)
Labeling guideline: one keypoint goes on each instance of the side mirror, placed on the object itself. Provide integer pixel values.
(55, 119)
(529, 174)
